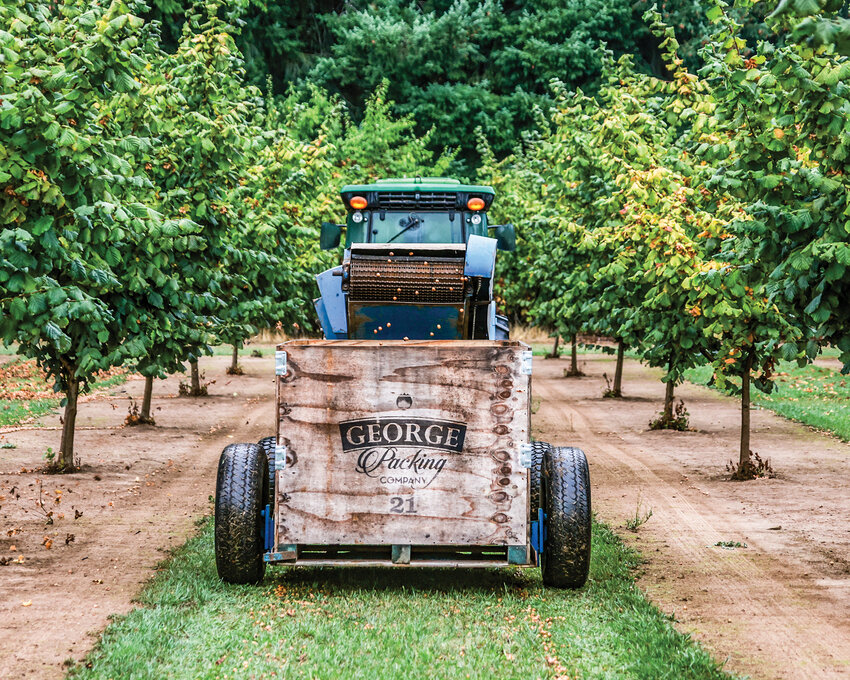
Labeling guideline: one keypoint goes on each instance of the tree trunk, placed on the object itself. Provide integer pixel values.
(744, 457)
(65, 461)
(196, 378)
(555, 353)
(146, 399)
(574, 356)
(667, 416)
(618, 371)
(234, 365)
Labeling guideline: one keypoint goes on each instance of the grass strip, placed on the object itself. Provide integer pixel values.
(389, 623)
(814, 395)
(16, 411)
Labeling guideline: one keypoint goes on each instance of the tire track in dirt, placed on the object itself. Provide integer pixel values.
(763, 607)
(140, 493)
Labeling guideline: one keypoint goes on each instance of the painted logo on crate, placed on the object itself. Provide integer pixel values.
(402, 451)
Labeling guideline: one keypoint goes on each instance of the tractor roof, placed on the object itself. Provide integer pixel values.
(443, 184)
(429, 191)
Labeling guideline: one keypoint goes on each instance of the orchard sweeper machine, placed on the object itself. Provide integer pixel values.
(403, 437)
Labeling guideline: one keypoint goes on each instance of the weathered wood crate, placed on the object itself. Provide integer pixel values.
(402, 443)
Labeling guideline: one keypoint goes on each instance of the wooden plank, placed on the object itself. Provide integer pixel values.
(406, 443)
(372, 344)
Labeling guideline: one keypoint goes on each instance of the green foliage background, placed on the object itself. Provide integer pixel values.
(677, 175)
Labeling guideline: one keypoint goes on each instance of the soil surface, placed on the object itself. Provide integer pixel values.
(138, 495)
(777, 608)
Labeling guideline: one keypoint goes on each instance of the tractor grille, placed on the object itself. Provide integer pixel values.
(398, 200)
(406, 279)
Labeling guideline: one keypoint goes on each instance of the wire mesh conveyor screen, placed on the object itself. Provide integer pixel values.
(406, 279)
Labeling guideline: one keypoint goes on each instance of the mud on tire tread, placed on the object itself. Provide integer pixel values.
(566, 497)
(240, 496)
(535, 472)
(267, 444)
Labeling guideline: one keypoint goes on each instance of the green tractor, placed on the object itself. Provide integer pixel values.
(403, 436)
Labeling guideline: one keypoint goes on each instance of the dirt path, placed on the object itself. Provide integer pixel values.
(778, 608)
(139, 494)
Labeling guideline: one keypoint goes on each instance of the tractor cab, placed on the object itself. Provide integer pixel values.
(419, 263)
(421, 210)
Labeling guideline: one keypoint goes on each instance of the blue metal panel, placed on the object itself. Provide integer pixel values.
(268, 528)
(480, 257)
(503, 329)
(327, 331)
(333, 299)
(377, 321)
(538, 532)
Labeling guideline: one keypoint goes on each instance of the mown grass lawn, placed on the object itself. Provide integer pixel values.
(393, 623)
(814, 395)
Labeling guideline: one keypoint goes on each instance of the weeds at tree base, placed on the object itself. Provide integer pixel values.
(753, 468)
(256, 353)
(135, 417)
(679, 420)
(610, 392)
(184, 389)
(54, 467)
(570, 373)
(234, 370)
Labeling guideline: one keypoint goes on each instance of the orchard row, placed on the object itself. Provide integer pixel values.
(153, 204)
(704, 218)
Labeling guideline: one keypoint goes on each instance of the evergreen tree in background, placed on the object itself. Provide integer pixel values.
(457, 65)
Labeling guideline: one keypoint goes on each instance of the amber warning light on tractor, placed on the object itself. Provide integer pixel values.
(474, 204)
(358, 202)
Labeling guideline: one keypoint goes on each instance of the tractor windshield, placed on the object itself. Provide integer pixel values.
(417, 227)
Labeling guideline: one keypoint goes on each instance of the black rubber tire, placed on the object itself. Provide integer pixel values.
(240, 496)
(267, 444)
(538, 452)
(566, 499)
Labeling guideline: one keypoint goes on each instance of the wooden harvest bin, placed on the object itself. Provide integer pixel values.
(402, 452)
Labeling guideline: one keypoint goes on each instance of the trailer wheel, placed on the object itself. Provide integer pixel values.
(535, 472)
(566, 501)
(267, 444)
(239, 499)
